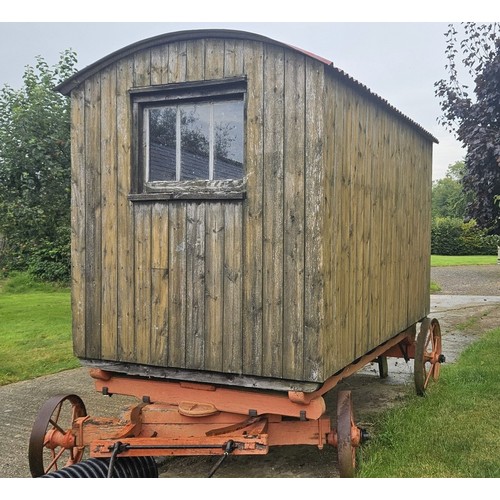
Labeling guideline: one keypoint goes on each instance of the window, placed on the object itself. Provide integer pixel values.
(194, 141)
(190, 136)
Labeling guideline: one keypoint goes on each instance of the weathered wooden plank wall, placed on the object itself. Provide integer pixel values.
(305, 274)
(314, 212)
(252, 334)
(124, 218)
(78, 226)
(109, 211)
(293, 216)
(93, 222)
(376, 238)
(272, 221)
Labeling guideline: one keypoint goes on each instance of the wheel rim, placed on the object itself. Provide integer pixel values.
(52, 445)
(345, 423)
(427, 355)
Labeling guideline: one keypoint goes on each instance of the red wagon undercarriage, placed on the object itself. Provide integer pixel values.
(182, 418)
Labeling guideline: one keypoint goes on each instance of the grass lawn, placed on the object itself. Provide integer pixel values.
(35, 331)
(451, 433)
(462, 260)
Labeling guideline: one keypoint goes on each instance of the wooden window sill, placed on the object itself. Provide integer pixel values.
(186, 196)
(192, 190)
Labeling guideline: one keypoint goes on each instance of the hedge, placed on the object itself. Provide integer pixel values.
(451, 236)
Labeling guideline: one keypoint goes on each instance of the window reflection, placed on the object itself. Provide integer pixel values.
(195, 141)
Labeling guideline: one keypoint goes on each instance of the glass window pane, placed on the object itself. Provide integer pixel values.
(161, 150)
(228, 131)
(195, 141)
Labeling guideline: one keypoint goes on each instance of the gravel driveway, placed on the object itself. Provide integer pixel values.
(467, 280)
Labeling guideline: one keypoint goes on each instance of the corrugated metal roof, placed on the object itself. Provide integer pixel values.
(68, 85)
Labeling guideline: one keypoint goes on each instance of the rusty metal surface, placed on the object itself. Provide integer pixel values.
(52, 444)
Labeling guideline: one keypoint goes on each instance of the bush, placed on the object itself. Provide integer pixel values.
(451, 236)
(51, 260)
(46, 259)
(18, 282)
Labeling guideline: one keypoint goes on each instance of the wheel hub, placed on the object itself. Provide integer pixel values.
(54, 438)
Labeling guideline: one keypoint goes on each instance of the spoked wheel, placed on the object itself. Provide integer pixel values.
(52, 445)
(345, 428)
(428, 357)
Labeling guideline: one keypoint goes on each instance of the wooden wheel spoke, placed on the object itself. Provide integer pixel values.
(428, 376)
(435, 371)
(427, 350)
(428, 341)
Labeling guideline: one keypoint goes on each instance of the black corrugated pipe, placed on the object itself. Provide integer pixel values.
(126, 467)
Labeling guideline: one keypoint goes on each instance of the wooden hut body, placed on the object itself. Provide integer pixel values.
(311, 252)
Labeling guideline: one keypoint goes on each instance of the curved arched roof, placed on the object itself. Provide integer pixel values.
(68, 85)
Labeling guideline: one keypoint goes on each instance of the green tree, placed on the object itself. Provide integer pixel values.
(475, 120)
(448, 198)
(35, 172)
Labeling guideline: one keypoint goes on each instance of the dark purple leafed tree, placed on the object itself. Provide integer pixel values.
(475, 119)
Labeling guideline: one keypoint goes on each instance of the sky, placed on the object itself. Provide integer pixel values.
(397, 58)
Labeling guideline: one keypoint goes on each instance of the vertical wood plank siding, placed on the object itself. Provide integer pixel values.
(293, 216)
(159, 284)
(124, 225)
(232, 341)
(109, 311)
(377, 238)
(195, 292)
(93, 224)
(325, 258)
(78, 221)
(272, 251)
(314, 306)
(177, 285)
(159, 299)
(253, 67)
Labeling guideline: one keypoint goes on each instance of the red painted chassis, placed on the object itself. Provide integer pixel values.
(181, 418)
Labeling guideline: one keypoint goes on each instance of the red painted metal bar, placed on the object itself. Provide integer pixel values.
(198, 436)
(329, 384)
(240, 401)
